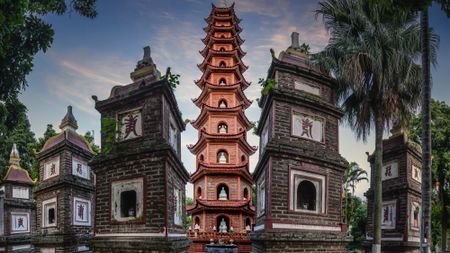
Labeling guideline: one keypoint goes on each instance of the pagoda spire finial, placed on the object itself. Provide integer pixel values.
(295, 48)
(14, 157)
(69, 121)
(145, 67)
(295, 44)
(223, 3)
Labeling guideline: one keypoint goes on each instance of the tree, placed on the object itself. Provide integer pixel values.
(24, 33)
(89, 136)
(49, 132)
(358, 224)
(371, 53)
(15, 128)
(440, 167)
(427, 55)
(353, 174)
(188, 220)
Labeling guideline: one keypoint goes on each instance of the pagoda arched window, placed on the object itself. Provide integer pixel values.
(222, 156)
(223, 224)
(199, 192)
(223, 103)
(306, 196)
(222, 128)
(128, 203)
(222, 192)
(222, 49)
(201, 158)
(222, 36)
(222, 81)
(248, 224)
(197, 223)
(243, 158)
(245, 193)
(222, 64)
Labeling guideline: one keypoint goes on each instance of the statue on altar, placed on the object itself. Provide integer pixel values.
(197, 227)
(223, 226)
(223, 194)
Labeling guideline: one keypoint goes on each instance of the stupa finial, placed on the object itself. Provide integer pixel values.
(295, 44)
(14, 157)
(145, 67)
(223, 3)
(69, 121)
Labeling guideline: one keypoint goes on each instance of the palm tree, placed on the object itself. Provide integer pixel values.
(353, 174)
(371, 54)
(428, 50)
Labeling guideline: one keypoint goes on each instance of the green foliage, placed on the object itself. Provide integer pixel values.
(111, 134)
(89, 136)
(353, 174)
(305, 48)
(358, 224)
(374, 75)
(188, 221)
(24, 33)
(49, 132)
(440, 167)
(173, 79)
(15, 128)
(268, 85)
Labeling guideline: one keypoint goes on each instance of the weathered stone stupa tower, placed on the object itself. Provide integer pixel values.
(222, 182)
(17, 208)
(140, 200)
(401, 184)
(65, 193)
(300, 172)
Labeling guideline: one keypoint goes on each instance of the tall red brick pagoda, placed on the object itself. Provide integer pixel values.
(222, 206)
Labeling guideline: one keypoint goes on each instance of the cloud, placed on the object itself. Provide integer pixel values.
(83, 74)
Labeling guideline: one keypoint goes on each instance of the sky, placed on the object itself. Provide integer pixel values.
(89, 57)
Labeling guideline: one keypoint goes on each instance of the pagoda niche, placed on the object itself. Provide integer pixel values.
(222, 181)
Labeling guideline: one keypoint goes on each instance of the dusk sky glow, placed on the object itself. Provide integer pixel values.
(89, 57)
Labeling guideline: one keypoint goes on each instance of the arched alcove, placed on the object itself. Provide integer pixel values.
(222, 156)
(306, 196)
(222, 128)
(222, 189)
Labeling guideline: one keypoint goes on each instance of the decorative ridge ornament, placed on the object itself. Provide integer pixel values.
(69, 121)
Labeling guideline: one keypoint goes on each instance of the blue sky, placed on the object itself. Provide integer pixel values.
(89, 57)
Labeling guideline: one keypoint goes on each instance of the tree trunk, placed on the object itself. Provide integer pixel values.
(379, 125)
(444, 216)
(425, 234)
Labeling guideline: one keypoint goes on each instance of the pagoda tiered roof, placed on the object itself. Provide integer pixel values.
(205, 64)
(209, 40)
(243, 205)
(222, 169)
(210, 69)
(222, 138)
(206, 51)
(236, 29)
(210, 53)
(208, 87)
(208, 110)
